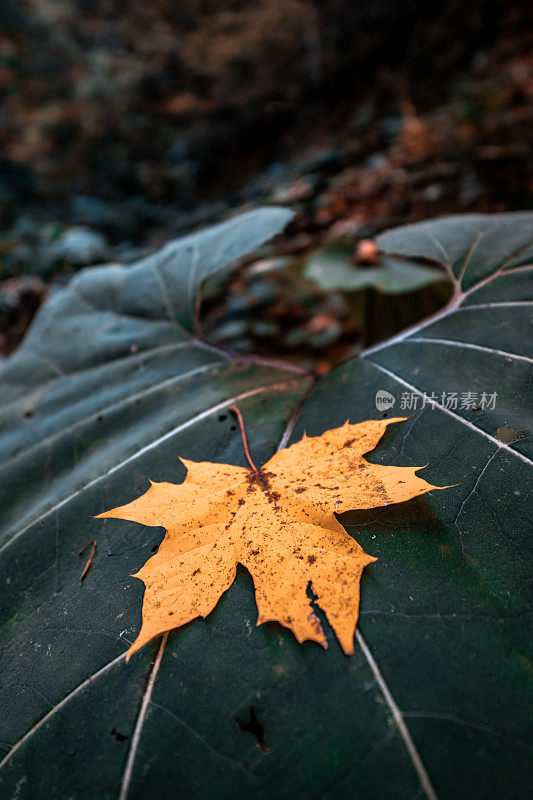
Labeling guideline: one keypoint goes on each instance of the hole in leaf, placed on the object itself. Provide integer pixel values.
(120, 737)
(255, 727)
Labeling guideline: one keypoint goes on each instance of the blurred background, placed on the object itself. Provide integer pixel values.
(124, 124)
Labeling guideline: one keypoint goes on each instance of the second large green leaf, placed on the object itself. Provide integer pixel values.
(434, 701)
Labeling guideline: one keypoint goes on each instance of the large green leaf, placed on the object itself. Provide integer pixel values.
(435, 699)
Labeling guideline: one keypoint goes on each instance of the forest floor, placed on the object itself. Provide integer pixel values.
(349, 168)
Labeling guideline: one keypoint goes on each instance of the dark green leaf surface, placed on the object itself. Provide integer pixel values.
(435, 701)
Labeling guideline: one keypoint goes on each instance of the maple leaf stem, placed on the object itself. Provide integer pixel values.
(238, 414)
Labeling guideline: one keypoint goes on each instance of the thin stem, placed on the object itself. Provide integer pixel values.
(296, 413)
(250, 358)
(89, 561)
(238, 414)
(128, 772)
(398, 719)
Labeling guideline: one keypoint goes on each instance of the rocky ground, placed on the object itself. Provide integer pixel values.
(112, 143)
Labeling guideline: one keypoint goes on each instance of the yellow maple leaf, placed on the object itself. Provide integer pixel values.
(279, 522)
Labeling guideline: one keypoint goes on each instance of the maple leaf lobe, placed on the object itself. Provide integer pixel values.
(279, 522)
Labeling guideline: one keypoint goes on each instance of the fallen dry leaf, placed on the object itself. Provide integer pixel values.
(279, 522)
